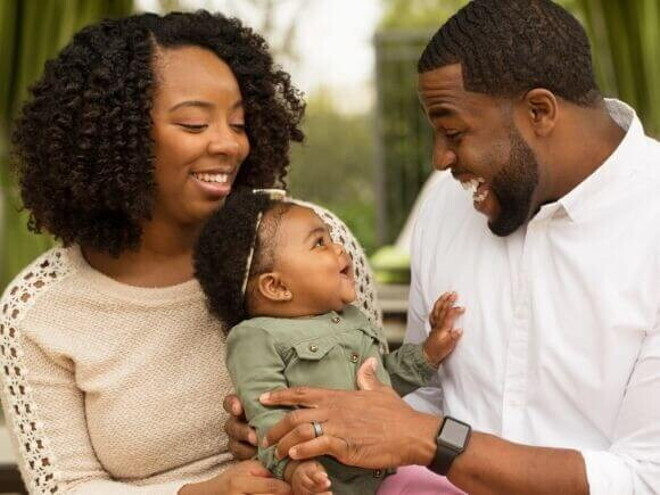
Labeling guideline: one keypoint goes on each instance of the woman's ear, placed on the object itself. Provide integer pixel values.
(272, 288)
(541, 111)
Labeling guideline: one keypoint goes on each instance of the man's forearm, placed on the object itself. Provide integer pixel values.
(493, 466)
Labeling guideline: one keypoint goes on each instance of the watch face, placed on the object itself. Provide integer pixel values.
(454, 433)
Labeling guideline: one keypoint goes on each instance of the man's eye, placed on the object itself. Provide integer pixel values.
(453, 135)
(194, 127)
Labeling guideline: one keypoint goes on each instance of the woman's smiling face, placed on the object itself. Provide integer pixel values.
(199, 134)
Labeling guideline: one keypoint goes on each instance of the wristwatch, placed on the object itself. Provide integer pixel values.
(451, 441)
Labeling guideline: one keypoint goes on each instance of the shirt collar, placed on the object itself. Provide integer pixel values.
(579, 201)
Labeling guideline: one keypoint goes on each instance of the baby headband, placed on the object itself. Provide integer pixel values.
(276, 195)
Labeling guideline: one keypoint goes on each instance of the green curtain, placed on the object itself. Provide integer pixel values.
(31, 32)
(625, 36)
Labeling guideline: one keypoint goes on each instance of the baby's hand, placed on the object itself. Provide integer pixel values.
(443, 337)
(310, 478)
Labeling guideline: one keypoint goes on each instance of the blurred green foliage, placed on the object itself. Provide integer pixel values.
(31, 32)
(625, 37)
(334, 167)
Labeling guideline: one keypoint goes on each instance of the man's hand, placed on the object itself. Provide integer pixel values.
(242, 438)
(371, 428)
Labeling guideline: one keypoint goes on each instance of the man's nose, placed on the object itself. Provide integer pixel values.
(443, 157)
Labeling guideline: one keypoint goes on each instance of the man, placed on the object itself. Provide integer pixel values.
(556, 258)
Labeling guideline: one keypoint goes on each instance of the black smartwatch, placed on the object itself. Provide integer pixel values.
(451, 441)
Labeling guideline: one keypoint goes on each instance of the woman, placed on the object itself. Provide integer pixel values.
(112, 369)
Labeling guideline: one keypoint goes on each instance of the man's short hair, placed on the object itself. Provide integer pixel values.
(508, 47)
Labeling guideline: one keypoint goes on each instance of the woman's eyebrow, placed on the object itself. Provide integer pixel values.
(192, 103)
(203, 104)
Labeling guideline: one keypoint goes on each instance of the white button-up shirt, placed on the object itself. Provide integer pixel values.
(561, 343)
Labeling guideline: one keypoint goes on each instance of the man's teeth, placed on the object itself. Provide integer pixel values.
(221, 178)
(472, 185)
(478, 198)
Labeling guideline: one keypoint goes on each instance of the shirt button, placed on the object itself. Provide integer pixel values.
(336, 319)
(313, 347)
(355, 357)
(378, 473)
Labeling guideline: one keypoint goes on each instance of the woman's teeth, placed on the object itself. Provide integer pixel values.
(221, 178)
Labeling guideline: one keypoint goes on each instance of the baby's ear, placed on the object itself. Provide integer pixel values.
(272, 288)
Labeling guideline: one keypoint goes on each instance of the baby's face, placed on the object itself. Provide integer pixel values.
(317, 271)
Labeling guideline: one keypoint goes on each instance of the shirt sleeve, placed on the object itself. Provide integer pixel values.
(45, 416)
(408, 368)
(255, 367)
(631, 466)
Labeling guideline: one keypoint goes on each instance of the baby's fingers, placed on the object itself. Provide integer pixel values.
(440, 308)
(321, 482)
(447, 322)
(315, 481)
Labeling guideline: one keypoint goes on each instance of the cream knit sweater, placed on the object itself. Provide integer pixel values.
(114, 389)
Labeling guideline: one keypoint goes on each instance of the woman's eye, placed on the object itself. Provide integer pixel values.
(240, 127)
(194, 127)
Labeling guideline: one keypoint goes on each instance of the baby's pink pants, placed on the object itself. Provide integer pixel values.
(417, 480)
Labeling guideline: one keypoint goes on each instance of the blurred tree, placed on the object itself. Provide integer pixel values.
(334, 167)
(625, 37)
(32, 32)
(417, 14)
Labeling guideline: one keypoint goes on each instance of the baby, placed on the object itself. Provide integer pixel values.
(283, 288)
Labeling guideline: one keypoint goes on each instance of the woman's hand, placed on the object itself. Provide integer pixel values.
(242, 438)
(245, 478)
(371, 428)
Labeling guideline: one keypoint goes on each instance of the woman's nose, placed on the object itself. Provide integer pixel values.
(224, 140)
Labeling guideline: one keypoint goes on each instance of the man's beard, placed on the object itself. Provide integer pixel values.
(514, 186)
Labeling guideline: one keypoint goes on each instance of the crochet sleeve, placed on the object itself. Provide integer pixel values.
(367, 300)
(42, 405)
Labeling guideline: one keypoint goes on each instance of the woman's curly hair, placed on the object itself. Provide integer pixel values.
(224, 245)
(82, 146)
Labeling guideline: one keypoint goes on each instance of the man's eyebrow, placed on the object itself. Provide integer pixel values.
(202, 104)
(440, 112)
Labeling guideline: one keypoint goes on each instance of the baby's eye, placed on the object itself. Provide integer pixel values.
(320, 242)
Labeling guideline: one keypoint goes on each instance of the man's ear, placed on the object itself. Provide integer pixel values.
(272, 288)
(541, 110)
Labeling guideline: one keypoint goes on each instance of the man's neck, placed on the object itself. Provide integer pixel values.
(589, 137)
